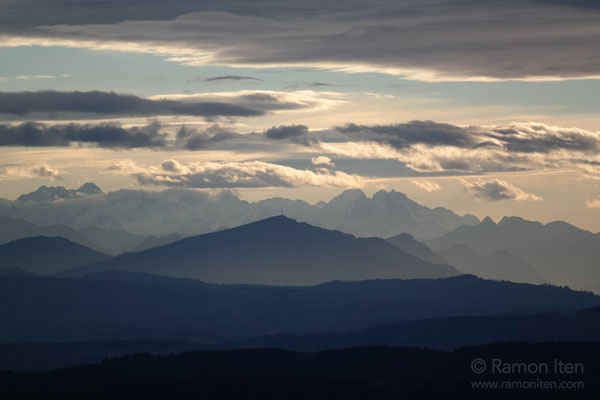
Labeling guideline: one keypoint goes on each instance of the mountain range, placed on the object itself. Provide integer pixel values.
(189, 212)
(53, 193)
(274, 251)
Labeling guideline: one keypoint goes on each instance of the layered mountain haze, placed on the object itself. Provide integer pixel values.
(46, 255)
(500, 265)
(409, 244)
(13, 229)
(561, 253)
(275, 251)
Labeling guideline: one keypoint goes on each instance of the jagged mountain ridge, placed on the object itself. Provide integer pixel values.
(53, 193)
(189, 212)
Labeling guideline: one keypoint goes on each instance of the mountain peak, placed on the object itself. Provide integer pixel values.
(89, 188)
(487, 221)
(349, 196)
(392, 193)
(52, 193)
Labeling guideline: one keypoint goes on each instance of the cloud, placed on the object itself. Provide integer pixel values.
(250, 174)
(496, 189)
(298, 134)
(594, 203)
(107, 135)
(438, 40)
(266, 100)
(427, 146)
(113, 135)
(234, 78)
(20, 171)
(540, 138)
(427, 186)
(44, 171)
(192, 139)
(404, 135)
(95, 104)
(322, 160)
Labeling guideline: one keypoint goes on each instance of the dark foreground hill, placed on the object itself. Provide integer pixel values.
(435, 333)
(355, 373)
(46, 255)
(275, 251)
(48, 309)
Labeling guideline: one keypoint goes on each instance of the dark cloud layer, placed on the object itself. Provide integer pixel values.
(102, 104)
(111, 135)
(432, 39)
(401, 136)
(192, 139)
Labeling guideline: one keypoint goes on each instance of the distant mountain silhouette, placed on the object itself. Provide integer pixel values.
(46, 255)
(110, 308)
(13, 229)
(189, 212)
(112, 241)
(498, 265)
(52, 193)
(276, 251)
(561, 253)
(407, 243)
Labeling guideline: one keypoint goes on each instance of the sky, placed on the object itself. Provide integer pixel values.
(484, 107)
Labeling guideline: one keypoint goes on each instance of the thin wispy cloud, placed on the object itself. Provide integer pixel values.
(226, 78)
(427, 186)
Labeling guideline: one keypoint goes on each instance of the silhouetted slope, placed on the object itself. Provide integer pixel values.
(441, 333)
(46, 255)
(407, 243)
(72, 309)
(561, 253)
(498, 265)
(276, 251)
